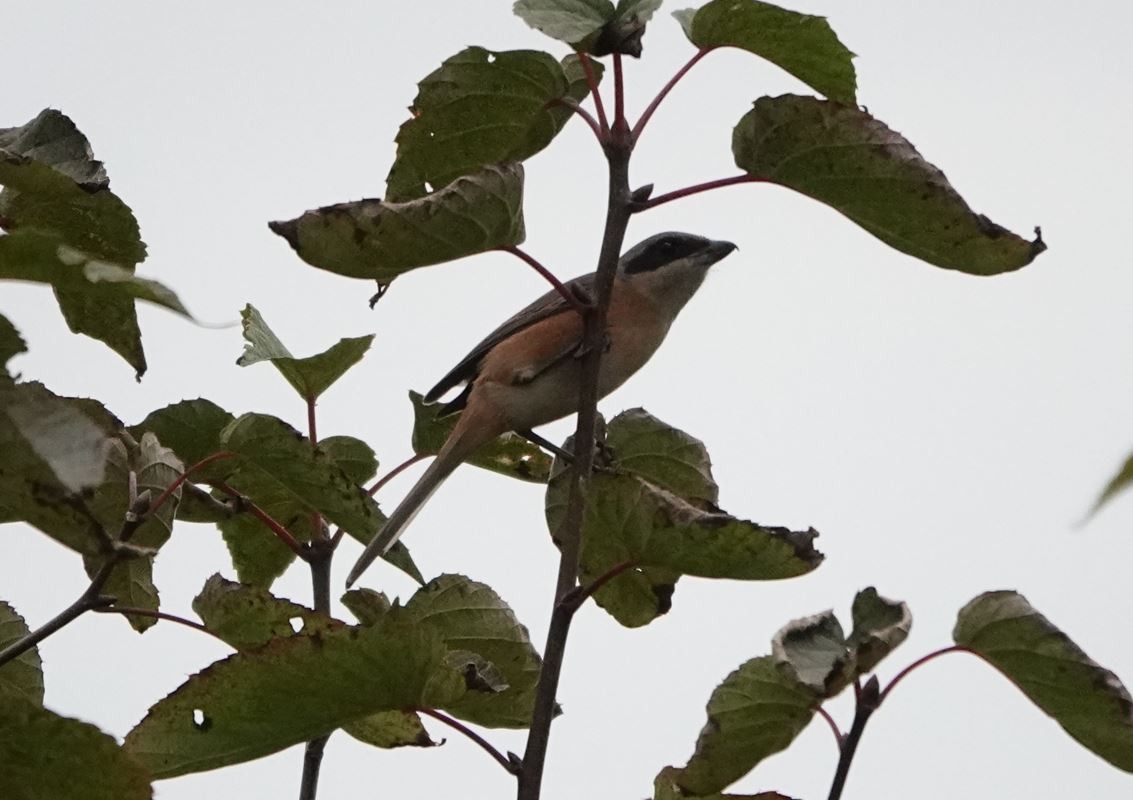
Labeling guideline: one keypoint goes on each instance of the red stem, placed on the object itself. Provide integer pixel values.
(838, 737)
(560, 287)
(318, 531)
(471, 734)
(566, 102)
(900, 676)
(619, 94)
(579, 594)
(130, 611)
(266, 518)
(697, 189)
(592, 82)
(668, 87)
(171, 488)
(382, 481)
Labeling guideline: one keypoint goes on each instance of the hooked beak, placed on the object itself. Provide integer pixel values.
(716, 250)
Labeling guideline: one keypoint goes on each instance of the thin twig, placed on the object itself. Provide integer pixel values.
(456, 725)
(550, 277)
(592, 82)
(867, 703)
(696, 189)
(618, 149)
(570, 103)
(661, 95)
(131, 611)
(580, 594)
(838, 737)
(382, 481)
(900, 676)
(273, 525)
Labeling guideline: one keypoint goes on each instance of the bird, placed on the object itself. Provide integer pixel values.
(527, 371)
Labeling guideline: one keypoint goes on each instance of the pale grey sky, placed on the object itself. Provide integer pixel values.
(946, 434)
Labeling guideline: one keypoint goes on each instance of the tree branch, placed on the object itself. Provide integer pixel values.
(696, 189)
(661, 95)
(560, 287)
(508, 764)
(569, 536)
(320, 554)
(867, 702)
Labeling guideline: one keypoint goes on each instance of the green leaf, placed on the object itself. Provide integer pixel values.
(1117, 484)
(367, 605)
(247, 617)
(310, 376)
(880, 625)
(353, 456)
(389, 729)
(380, 240)
(256, 703)
(845, 158)
(257, 554)
(279, 470)
(814, 651)
(508, 454)
(21, 679)
(665, 788)
(756, 712)
(49, 757)
(803, 45)
(192, 430)
(11, 344)
(1087, 700)
(663, 455)
(591, 26)
(478, 109)
(470, 616)
(52, 450)
(155, 468)
(70, 230)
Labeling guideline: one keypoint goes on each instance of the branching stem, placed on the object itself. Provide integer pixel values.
(661, 95)
(838, 736)
(580, 594)
(267, 519)
(592, 82)
(184, 476)
(130, 611)
(867, 702)
(487, 746)
(550, 277)
(920, 662)
(595, 126)
(695, 189)
(319, 559)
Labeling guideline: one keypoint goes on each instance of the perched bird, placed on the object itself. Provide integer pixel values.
(526, 373)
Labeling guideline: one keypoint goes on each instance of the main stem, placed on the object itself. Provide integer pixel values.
(321, 552)
(868, 700)
(617, 148)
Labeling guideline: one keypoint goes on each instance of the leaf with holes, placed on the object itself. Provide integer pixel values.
(1087, 700)
(21, 679)
(257, 703)
(247, 617)
(845, 158)
(481, 108)
(470, 616)
(50, 757)
(756, 712)
(801, 44)
(509, 454)
(591, 26)
(367, 605)
(380, 240)
(310, 376)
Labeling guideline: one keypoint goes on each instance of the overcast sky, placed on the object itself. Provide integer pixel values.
(946, 434)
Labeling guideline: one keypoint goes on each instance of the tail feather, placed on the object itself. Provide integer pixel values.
(464, 439)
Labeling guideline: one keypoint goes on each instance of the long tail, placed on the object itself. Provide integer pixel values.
(470, 432)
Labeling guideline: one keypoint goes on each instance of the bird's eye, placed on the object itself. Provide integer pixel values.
(667, 245)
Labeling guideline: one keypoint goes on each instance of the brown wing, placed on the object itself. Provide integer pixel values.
(548, 305)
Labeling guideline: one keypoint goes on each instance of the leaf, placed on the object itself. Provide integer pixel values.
(667, 457)
(310, 376)
(67, 228)
(509, 454)
(367, 606)
(290, 691)
(247, 617)
(591, 26)
(49, 757)
(1087, 700)
(257, 554)
(155, 468)
(666, 788)
(478, 109)
(880, 625)
(814, 650)
(11, 344)
(192, 430)
(756, 712)
(803, 45)
(389, 729)
(853, 163)
(1117, 484)
(21, 679)
(468, 615)
(380, 240)
(353, 456)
